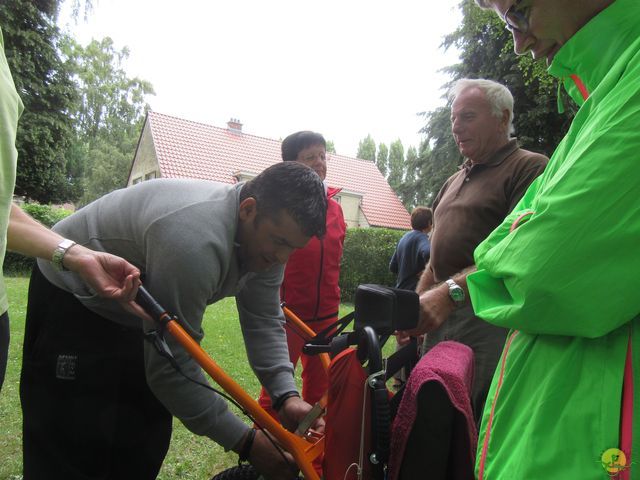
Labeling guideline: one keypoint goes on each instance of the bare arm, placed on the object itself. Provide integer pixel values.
(426, 279)
(109, 276)
(435, 303)
(28, 237)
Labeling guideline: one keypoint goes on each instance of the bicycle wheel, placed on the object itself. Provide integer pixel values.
(241, 472)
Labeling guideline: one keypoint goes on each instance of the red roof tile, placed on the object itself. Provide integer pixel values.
(187, 149)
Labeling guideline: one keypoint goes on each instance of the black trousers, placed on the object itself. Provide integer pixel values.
(87, 410)
(4, 345)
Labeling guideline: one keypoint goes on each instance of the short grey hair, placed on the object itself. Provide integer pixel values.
(498, 96)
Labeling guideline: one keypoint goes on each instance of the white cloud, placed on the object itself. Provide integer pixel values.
(343, 68)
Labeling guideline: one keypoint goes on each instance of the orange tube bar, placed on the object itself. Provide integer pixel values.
(302, 451)
(308, 334)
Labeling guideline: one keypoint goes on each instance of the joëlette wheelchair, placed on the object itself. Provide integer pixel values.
(379, 311)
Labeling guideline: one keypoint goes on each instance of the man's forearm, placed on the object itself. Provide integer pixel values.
(436, 303)
(28, 237)
(426, 280)
(109, 276)
(461, 279)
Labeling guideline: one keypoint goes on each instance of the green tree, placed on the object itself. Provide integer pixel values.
(78, 6)
(110, 164)
(51, 8)
(44, 83)
(367, 149)
(331, 148)
(406, 190)
(422, 175)
(382, 159)
(108, 115)
(396, 165)
(438, 157)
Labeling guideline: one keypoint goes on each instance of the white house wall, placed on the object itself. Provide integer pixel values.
(145, 163)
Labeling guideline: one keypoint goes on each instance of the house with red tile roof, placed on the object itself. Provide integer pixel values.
(171, 147)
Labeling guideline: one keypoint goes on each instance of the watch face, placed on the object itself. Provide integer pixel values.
(455, 291)
(457, 294)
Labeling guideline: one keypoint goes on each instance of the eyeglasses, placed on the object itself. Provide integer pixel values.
(517, 17)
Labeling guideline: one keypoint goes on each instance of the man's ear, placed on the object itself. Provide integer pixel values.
(505, 119)
(247, 209)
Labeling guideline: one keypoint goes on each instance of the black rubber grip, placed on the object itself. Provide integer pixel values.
(149, 304)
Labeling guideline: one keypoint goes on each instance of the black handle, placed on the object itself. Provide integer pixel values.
(149, 304)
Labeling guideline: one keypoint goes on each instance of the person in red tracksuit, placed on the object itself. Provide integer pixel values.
(310, 286)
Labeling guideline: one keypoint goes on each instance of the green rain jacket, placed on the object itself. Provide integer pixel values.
(567, 280)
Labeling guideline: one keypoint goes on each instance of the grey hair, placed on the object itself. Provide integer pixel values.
(498, 96)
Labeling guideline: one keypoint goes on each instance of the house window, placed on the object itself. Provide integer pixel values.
(150, 175)
(136, 180)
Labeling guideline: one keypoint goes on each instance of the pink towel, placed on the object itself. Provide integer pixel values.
(451, 365)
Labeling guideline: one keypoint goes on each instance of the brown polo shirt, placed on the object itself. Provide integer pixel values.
(474, 201)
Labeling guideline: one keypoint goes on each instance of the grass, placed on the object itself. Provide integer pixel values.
(190, 456)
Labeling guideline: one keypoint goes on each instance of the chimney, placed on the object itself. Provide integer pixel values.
(234, 125)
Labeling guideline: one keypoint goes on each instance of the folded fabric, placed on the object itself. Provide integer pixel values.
(446, 373)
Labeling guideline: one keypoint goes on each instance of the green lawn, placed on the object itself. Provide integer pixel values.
(190, 456)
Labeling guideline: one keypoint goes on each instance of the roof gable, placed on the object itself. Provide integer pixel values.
(187, 149)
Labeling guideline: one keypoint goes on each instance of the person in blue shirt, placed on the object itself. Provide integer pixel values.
(409, 261)
(413, 250)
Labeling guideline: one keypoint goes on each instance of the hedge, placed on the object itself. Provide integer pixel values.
(16, 264)
(366, 256)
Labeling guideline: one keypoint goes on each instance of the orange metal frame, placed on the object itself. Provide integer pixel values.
(303, 449)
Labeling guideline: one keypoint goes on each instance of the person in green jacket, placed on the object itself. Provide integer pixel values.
(563, 270)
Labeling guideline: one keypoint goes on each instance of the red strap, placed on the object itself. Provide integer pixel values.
(581, 86)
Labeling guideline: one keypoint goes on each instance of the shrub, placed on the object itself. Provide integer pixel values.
(367, 252)
(16, 264)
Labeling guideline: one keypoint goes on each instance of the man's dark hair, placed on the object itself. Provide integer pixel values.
(291, 187)
(296, 142)
(421, 218)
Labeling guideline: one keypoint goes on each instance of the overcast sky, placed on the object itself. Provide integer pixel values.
(345, 68)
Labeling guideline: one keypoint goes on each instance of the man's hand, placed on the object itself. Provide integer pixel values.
(435, 307)
(293, 410)
(269, 461)
(403, 338)
(107, 275)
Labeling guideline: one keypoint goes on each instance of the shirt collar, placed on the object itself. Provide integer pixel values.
(497, 158)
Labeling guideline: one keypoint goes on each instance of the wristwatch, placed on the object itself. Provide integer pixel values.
(59, 253)
(456, 293)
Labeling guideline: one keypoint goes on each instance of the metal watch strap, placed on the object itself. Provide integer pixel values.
(59, 253)
(456, 293)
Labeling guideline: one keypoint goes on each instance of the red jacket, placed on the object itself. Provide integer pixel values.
(310, 287)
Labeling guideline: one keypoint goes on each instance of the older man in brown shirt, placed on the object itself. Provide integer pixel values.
(472, 202)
